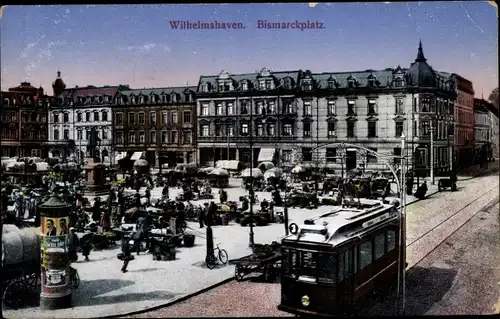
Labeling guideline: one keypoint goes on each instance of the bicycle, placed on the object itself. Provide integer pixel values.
(74, 278)
(222, 256)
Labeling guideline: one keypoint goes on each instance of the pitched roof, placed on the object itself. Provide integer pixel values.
(95, 91)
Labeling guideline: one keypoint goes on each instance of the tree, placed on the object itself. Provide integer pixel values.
(493, 98)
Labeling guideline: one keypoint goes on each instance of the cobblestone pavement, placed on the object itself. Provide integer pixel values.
(460, 276)
(105, 291)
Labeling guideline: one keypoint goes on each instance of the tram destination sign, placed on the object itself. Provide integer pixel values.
(376, 220)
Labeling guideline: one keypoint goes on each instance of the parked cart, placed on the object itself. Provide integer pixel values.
(21, 266)
(265, 259)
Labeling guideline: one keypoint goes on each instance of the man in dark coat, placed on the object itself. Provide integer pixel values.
(148, 195)
(164, 192)
(96, 210)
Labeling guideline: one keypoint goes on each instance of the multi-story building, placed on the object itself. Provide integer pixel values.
(24, 119)
(76, 112)
(374, 109)
(236, 110)
(464, 121)
(157, 124)
(483, 127)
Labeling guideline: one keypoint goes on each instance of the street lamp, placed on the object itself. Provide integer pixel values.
(402, 232)
(251, 239)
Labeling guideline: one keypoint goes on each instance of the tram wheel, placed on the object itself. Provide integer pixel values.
(14, 294)
(239, 272)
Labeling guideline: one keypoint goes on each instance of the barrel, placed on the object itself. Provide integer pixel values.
(225, 219)
(189, 240)
(19, 245)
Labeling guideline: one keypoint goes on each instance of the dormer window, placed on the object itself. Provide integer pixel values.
(262, 85)
(174, 98)
(60, 101)
(14, 101)
(6, 101)
(244, 85)
(269, 85)
(307, 86)
(106, 99)
(350, 83)
(101, 99)
(286, 84)
(80, 100)
(204, 87)
(133, 100)
(399, 82)
(141, 99)
(165, 98)
(153, 99)
(331, 84)
(371, 82)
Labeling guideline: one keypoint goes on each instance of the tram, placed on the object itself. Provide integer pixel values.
(332, 261)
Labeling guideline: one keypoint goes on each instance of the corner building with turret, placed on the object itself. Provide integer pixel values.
(283, 116)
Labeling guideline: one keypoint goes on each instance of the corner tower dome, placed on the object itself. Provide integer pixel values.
(420, 74)
(58, 86)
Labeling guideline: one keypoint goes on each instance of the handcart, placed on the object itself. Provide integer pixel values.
(265, 259)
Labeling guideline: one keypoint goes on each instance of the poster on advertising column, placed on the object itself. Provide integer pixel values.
(52, 226)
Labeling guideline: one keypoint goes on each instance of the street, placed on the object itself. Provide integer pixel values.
(459, 276)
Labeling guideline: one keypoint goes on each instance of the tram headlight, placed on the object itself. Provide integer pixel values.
(305, 301)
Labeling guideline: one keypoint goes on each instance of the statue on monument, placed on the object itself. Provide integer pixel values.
(93, 143)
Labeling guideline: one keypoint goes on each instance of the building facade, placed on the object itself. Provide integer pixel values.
(292, 113)
(75, 113)
(483, 128)
(236, 110)
(157, 124)
(464, 121)
(24, 129)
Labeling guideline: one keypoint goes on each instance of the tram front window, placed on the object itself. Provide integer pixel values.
(310, 266)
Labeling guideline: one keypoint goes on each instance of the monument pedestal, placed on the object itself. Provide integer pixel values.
(95, 179)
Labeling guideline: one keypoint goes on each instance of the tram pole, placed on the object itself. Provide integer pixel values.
(403, 215)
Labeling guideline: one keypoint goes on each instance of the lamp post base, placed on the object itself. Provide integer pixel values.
(53, 303)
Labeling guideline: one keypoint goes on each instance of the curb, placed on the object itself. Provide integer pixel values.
(175, 301)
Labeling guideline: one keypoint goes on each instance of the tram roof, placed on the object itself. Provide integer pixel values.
(343, 223)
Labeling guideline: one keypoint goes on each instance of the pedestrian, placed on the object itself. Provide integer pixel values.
(96, 211)
(106, 220)
(73, 243)
(148, 195)
(86, 245)
(164, 192)
(126, 255)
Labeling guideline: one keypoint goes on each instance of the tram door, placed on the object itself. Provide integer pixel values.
(346, 287)
(350, 162)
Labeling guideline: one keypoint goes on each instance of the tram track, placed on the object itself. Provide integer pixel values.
(451, 216)
(463, 215)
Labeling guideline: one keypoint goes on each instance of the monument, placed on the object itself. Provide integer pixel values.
(95, 179)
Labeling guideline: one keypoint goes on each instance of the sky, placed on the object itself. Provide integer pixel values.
(136, 45)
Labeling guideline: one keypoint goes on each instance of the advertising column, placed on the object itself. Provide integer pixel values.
(56, 289)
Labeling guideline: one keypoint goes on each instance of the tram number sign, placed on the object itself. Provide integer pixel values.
(293, 228)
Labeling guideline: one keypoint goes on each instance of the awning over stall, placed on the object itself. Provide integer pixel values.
(266, 155)
(136, 156)
(120, 156)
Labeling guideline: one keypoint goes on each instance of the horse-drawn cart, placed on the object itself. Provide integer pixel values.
(21, 266)
(265, 259)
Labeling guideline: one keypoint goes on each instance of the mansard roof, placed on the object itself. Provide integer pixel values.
(251, 77)
(181, 91)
